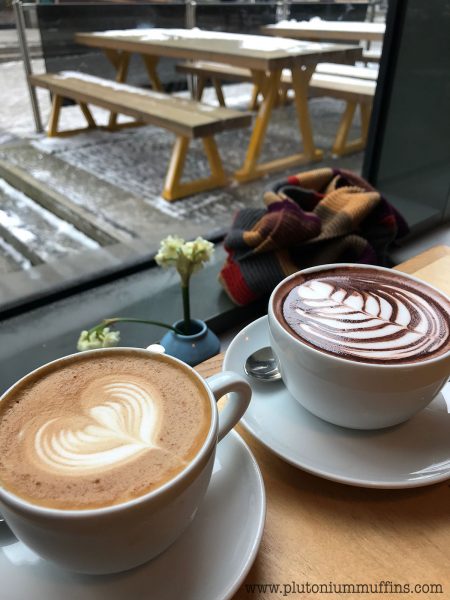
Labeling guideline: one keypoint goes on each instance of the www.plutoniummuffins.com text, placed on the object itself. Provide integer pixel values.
(294, 588)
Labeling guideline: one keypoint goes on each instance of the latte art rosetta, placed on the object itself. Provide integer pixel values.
(361, 318)
(118, 429)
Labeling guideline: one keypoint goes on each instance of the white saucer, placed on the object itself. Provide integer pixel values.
(413, 454)
(208, 562)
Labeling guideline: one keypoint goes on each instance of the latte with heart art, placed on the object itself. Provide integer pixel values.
(100, 430)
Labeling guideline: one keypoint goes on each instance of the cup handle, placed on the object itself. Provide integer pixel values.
(222, 384)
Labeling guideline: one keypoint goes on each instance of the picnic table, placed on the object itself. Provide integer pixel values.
(265, 57)
(318, 30)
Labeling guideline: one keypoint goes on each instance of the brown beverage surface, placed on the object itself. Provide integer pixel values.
(100, 430)
(365, 315)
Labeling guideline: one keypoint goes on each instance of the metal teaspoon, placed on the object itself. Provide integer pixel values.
(262, 365)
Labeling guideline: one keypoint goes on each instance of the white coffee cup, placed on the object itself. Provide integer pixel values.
(349, 393)
(119, 537)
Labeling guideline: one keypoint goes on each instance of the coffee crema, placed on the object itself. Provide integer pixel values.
(100, 430)
(365, 315)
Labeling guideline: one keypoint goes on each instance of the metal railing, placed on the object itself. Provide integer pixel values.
(25, 53)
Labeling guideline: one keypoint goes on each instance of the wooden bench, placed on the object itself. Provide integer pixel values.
(355, 92)
(188, 119)
(218, 72)
(355, 85)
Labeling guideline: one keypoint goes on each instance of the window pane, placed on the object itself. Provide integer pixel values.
(413, 143)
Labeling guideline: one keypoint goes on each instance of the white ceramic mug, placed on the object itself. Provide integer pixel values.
(119, 537)
(350, 393)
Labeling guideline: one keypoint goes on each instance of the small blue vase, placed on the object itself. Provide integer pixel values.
(194, 348)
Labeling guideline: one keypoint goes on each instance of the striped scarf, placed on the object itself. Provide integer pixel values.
(313, 218)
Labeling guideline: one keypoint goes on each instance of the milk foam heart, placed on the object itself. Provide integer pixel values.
(101, 430)
(365, 315)
(117, 429)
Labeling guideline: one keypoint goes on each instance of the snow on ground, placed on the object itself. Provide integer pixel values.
(16, 258)
(37, 227)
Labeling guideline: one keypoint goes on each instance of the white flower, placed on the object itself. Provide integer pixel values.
(101, 338)
(186, 257)
(203, 250)
(198, 251)
(195, 254)
(169, 251)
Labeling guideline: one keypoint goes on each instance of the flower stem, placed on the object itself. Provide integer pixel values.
(114, 320)
(186, 309)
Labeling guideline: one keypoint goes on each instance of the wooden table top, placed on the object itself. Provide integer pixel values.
(250, 51)
(316, 29)
(321, 532)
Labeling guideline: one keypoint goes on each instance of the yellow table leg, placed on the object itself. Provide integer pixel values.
(284, 94)
(215, 162)
(254, 99)
(249, 169)
(341, 144)
(219, 92)
(366, 109)
(87, 115)
(201, 82)
(150, 64)
(113, 56)
(259, 87)
(120, 61)
(174, 189)
(53, 130)
(176, 165)
(54, 116)
(300, 84)
(271, 92)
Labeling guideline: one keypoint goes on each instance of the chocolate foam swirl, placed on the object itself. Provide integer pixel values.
(366, 318)
(118, 428)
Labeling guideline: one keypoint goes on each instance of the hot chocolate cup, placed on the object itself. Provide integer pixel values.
(122, 536)
(348, 392)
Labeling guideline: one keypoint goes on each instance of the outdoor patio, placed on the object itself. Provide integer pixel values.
(117, 176)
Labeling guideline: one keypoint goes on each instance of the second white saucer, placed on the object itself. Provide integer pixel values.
(413, 454)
